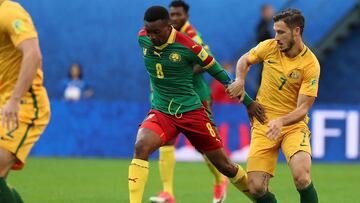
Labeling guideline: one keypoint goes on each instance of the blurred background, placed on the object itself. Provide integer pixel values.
(97, 42)
(99, 91)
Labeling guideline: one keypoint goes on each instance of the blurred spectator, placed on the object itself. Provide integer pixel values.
(218, 94)
(264, 28)
(74, 87)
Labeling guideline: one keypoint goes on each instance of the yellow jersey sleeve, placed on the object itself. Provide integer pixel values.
(18, 24)
(310, 83)
(261, 51)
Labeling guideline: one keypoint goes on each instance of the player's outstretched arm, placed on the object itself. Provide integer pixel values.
(236, 89)
(31, 60)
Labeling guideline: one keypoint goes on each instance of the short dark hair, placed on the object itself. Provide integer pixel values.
(180, 3)
(155, 13)
(292, 18)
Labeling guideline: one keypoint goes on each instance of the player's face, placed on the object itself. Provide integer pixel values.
(284, 36)
(158, 31)
(178, 17)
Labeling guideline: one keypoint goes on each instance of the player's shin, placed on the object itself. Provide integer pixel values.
(308, 194)
(219, 177)
(240, 181)
(166, 167)
(6, 194)
(138, 175)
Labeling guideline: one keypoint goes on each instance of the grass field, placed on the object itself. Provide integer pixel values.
(50, 180)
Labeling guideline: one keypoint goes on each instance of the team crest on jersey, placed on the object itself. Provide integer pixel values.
(295, 75)
(19, 26)
(175, 57)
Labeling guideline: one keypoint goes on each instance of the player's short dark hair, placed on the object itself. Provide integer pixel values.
(155, 13)
(292, 18)
(180, 3)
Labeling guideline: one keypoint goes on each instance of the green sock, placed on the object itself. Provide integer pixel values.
(6, 196)
(308, 194)
(17, 196)
(267, 198)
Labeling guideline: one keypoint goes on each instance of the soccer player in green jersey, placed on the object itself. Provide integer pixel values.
(179, 19)
(175, 107)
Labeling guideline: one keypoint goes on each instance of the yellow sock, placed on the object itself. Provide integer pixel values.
(240, 182)
(138, 174)
(219, 178)
(166, 167)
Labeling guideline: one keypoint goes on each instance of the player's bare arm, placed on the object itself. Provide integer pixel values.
(304, 103)
(31, 60)
(236, 89)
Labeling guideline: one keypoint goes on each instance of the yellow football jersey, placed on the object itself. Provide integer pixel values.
(16, 26)
(283, 78)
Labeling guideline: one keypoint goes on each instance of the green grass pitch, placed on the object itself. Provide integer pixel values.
(51, 180)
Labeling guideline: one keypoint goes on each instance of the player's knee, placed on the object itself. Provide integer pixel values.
(257, 188)
(302, 180)
(142, 150)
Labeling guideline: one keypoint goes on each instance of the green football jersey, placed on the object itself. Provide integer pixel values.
(170, 68)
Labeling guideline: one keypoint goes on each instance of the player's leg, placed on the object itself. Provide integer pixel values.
(151, 135)
(261, 164)
(147, 141)
(166, 170)
(7, 159)
(202, 134)
(297, 150)
(234, 172)
(221, 182)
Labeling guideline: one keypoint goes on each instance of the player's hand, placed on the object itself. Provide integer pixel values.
(274, 129)
(10, 114)
(256, 110)
(236, 90)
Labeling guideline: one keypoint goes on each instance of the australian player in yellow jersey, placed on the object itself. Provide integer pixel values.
(24, 104)
(288, 89)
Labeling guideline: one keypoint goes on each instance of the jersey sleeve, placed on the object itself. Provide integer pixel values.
(310, 83)
(259, 53)
(202, 57)
(19, 25)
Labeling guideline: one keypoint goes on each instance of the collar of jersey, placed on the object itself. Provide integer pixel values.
(184, 27)
(170, 40)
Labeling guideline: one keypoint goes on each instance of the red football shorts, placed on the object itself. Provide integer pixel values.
(195, 125)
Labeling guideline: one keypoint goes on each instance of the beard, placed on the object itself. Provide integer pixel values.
(289, 45)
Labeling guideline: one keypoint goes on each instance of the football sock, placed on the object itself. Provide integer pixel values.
(138, 174)
(6, 196)
(308, 194)
(166, 167)
(240, 182)
(267, 198)
(219, 178)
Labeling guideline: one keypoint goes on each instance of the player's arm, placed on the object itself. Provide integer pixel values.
(217, 72)
(31, 60)
(254, 56)
(304, 104)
